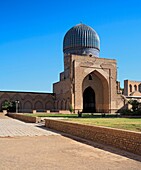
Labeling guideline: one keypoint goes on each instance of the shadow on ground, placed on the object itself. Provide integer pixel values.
(95, 145)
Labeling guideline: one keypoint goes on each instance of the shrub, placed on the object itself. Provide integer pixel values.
(71, 109)
(138, 112)
(126, 112)
(135, 104)
(9, 106)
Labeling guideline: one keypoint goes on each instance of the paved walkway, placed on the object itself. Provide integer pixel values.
(26, 146)
(12, 128)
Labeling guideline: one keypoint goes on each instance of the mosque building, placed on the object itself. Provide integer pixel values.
(88, 82)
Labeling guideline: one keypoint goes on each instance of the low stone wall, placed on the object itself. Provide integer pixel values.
(126, 140)
(60, 111)
(24, 118)
(2, 114)
(64, 111)
(44, 112)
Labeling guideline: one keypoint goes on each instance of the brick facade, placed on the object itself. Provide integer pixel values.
(132, 88)
(29, 101)
(75, 79)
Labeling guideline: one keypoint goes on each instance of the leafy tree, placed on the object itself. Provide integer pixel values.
(6, 105)
(135, 104)
(9, 106)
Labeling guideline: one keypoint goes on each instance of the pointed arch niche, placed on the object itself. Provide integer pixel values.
(95, 93)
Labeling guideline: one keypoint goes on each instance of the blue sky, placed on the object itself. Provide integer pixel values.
(32, 31)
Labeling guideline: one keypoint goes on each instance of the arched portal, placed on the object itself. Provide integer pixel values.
(95, 91)
(27, 107)
(89, 100)
(39, 106)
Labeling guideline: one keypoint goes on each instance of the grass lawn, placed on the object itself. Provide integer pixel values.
(133, 124)
(53, 115)
(66, 115)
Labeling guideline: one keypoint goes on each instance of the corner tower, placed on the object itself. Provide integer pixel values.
(88, 83)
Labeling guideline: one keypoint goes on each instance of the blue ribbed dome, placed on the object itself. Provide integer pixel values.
(82, 40)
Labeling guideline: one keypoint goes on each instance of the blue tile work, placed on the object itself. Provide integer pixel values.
(82, 40)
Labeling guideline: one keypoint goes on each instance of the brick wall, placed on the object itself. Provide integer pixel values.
(25, 118)
(28, 101)
(126, 140)
(104, 76)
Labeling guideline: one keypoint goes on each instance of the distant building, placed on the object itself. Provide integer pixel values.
(28, 101)
(88, 83)
(132, 89)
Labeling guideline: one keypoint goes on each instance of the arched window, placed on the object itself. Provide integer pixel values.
(57, 104)
(135, 87)
(139, 87)
(90, 77)
(130, 88)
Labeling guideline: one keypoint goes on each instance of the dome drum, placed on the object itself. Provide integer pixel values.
(83, 51)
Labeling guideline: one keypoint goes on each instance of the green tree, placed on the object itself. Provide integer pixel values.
(135, 104)
(6, 105)
(9, 106)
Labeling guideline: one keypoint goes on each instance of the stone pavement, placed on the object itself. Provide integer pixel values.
(11, 128)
